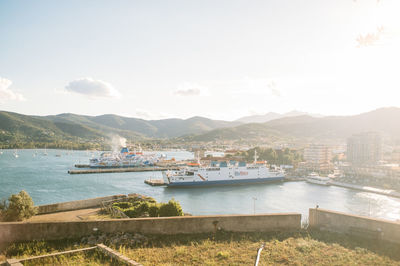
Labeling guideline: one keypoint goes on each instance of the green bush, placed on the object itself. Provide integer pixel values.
(136, 198)
(154, 210)
(19, 207)
(137, 211)
(131, 212)
(172, 208)
(141, 206)
(123, 205)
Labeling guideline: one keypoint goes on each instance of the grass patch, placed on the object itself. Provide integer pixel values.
(301, 248)
(91, 257)
(226, 248)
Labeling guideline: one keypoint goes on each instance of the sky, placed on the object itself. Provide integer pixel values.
(218, 59)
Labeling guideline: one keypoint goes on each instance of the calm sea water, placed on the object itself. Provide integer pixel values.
(46, 179)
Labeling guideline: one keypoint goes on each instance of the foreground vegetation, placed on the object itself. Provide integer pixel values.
(141, 206)
(225, 248)
(17, 208)
(91, 257)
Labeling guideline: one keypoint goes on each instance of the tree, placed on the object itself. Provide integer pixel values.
(19, 207)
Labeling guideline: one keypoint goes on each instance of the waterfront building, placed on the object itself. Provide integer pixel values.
(377, 175)
(395, 156)
(364, 148)
(318, 157)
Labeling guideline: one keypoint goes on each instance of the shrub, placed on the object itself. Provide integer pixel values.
(142, 206)
(122, 205)
(154, 210)
(19, 207)
(131, 212)
(137, 211)
(172, 208)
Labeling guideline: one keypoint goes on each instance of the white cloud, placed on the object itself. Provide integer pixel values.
(143, 114)
(255, 87)
(6, 93)
(92, 88)
(191, 89)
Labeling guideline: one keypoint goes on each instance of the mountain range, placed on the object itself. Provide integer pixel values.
(16, 127)
(272, 116)
(24, 128)
(305, 127)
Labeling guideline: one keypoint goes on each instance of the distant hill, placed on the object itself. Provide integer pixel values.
(165, 128)
(384, 120)
(71, 127)
(18, 128)
(272, 116)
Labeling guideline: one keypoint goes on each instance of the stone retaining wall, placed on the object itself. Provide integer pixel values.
(354, 225)
(24, 231)
(76, 205)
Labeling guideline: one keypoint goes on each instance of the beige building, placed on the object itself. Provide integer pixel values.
(318, 157)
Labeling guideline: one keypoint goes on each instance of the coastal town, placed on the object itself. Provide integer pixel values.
(206, 132)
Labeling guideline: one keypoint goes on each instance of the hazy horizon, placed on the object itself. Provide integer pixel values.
(221, 60)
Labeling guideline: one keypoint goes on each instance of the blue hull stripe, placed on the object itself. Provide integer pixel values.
(225, 182)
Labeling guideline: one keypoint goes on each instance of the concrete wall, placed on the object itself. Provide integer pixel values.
(76, 205)
(23, 231)
(354, 225)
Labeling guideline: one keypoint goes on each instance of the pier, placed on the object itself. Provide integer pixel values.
(386, 192)
(82, 165)
(119, 170)
(154, 182)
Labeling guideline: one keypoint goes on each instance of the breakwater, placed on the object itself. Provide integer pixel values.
(386, 192)
(119, 170)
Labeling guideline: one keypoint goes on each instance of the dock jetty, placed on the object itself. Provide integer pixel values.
(119, 170)
(82, 165)
(154, 182)
(386, 192)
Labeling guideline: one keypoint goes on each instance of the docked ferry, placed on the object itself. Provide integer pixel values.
(223, 174)
(124, 158)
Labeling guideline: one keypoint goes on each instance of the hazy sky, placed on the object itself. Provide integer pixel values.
(219, 59)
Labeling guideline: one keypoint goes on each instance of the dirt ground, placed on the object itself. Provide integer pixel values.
(78, 215)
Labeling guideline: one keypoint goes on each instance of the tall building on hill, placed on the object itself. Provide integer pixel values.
(318, 158)
(364, 148)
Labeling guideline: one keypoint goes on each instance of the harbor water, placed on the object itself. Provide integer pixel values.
(46, 179)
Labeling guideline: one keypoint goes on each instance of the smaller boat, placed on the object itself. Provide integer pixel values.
(314, 178)
(16, 154)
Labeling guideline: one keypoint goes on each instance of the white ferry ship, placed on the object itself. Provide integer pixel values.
(125, 158)
(316, 179)
(223, 174)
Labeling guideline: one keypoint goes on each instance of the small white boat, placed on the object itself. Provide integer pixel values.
(314, 178)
